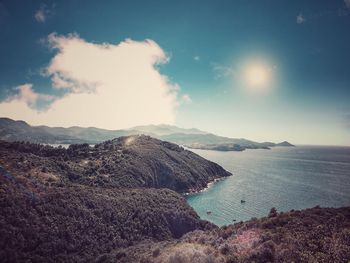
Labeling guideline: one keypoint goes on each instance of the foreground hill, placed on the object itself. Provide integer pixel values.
(311, 235)
(11, 130)
(39, 223)
(106, 204)
(125, 162)
(74, 204)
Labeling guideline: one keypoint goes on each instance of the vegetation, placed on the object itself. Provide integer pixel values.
(78, 203)
(312, 235)
(77, 223)
(126, 162)
(109, 203)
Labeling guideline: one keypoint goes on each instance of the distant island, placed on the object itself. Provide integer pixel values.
(285, 143)
(11, 130)
(120, 201)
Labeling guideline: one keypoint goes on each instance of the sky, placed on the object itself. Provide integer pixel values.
(265, 70)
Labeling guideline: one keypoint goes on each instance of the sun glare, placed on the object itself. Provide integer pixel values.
(257, 76)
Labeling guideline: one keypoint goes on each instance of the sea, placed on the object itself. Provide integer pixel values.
(284, 177)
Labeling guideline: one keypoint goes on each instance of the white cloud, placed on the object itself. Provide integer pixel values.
(42, 13)
(347, 3)
(300, 18)
(27, 96)
(186, 98)
(196, 58)
(108, 85)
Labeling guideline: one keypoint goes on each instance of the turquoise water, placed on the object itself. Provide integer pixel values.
(284, 177)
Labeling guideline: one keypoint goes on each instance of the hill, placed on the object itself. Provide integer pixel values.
(284, 144)
(76, 223)
(133, 161)
(107, 204)
(78, 203)
(311, 235)
(11, 130)
(164, 130)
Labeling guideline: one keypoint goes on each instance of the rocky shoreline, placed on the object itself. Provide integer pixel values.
(209, 184)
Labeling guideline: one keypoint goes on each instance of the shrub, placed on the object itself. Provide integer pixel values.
(273, 212)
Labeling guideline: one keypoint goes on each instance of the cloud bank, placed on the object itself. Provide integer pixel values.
(110, 86)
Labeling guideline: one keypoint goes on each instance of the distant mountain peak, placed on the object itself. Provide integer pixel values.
(5, 120)
(285, 143)
(165, 129)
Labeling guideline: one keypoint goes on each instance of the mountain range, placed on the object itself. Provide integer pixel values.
(12, 130)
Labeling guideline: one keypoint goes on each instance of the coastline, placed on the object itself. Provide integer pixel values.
(209, 185)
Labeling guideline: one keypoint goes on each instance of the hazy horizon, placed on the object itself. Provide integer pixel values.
(242, 70)
(163, 124)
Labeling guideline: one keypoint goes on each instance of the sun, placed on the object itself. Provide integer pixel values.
(257, 76)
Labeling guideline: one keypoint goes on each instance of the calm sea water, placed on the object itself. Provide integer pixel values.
(284, 177)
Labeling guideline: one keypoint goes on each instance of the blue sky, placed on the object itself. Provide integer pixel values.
(207, 45)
